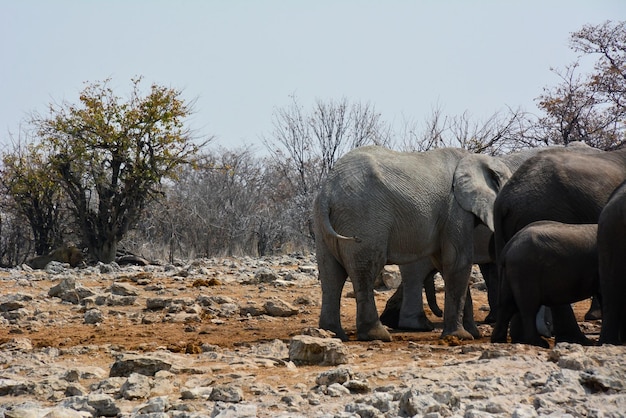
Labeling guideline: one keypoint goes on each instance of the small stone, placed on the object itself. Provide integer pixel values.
(123, 289)
(357, 386)
(328, 377)
(265, 275)
(228, 393)
(94, 316)
(137, 386)
(336, 390)
(130, 364)
(279, 308)
(322, 351)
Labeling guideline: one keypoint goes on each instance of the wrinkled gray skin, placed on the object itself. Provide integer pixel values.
(612, 260)
(411, 307)
(546, 263)
(560, 186)
(380, 207)
(405, 310)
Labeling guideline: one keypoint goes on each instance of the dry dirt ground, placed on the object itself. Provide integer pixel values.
(123, 330)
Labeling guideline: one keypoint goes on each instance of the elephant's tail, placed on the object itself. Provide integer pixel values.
(322, 217)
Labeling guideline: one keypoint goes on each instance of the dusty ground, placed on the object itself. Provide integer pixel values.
(123, 328)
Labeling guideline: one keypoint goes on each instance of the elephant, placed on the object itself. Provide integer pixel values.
(568, 187)
(413, 308)
(546, 263)
(379, 206)
(612, 267)
(404, 310)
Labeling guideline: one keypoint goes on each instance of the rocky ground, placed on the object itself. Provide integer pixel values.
(237, 338)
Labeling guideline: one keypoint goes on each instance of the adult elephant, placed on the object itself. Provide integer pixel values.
(404, 309)
(612, 267)
(557, 185)
(380, 207)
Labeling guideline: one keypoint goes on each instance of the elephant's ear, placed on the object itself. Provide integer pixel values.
(477, 180)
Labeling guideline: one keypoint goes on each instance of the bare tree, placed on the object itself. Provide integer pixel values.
(35, 194)
(230, 203)
(15, 238)
(500, 133)
(322, 135)
(305, 145)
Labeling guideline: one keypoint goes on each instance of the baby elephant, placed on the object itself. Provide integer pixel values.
(546, 263)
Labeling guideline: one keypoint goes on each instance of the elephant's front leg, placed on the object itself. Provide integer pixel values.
(456, 280)
(412, 315)
(468, 316)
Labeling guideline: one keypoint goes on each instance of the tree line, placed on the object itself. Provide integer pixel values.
(112, 174)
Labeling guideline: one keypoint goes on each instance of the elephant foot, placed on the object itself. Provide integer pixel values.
(339, 332)
(610, 339)
(576, 339)
(459, 333)
(593, 315)
(498, 338)
(595, 310)
(470, 326)
(490, 318)
(375, 332)
(539, 342)
(390, 317)
(500, 330)
(536, 340)
(416, 323)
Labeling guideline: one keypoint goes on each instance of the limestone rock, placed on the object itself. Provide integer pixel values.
(279, 308)
(226, 393)
(145, 365)
(323, 351)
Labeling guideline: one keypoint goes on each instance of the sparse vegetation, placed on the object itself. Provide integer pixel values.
(108, 173)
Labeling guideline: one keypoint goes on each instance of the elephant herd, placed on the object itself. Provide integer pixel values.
(547, 226)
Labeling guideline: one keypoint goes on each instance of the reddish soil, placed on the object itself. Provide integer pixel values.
(124, 330)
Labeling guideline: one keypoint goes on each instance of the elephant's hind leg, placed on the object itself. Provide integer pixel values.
(566, 327)
(505, 311)
(368, 324)
(332, 277)
(530, 335)
(529, 307)
(412, 315)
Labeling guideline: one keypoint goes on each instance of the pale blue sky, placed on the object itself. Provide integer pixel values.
(243, 59)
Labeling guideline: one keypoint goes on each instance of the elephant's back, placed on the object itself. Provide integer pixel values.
(378, 192)
(391, 178)
(554, 245)
(557, 185)
(571, 237)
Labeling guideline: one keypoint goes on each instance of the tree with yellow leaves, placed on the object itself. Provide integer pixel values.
(110, 156)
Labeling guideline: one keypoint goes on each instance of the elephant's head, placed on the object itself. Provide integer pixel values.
(477, 180)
